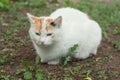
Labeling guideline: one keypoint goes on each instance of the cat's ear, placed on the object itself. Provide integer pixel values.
(58, 21)
(31, 18)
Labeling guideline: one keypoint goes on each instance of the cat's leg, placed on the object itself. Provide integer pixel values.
(43, 61)
(54, 62)
(94, 52)
(82, 55)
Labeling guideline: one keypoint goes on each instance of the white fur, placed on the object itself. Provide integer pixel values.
(76, 28)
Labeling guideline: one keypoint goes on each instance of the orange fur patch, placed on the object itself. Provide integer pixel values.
(38, 23)
(49, 20)
(48, 27)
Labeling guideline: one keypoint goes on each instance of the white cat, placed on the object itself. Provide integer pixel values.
(52, 36)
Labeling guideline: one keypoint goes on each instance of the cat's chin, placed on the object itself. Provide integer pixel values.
(44, 45)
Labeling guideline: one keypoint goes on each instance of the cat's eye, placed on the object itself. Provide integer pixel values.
(49, 34)
(53, 24)
(37, 33)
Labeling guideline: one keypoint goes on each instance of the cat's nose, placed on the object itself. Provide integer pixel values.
(41, 42)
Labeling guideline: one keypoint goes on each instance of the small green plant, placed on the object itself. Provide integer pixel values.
(4, 57)
(72, 51)
(69, 3)
(9, 34)
(5, 77)
(88, 73)
(102, 75)
(5, 4)
(4, 60)
(27, 72)
(116, 30)
(116, 44)
(105, 34)
(37, 3)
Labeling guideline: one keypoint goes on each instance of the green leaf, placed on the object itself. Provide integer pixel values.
(39, 76)
(72, 49)
(105, 34)
(5, 77)
(18, 71)
(5, 4)
(1, 4)
(26, 64)
(27, 75)
(116, 44)
(66, 60)
(37, 59)
(116, 30)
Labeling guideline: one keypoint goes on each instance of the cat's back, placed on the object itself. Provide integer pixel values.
(69, 14)
(76, 23)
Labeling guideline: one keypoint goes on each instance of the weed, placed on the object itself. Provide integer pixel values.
(5, 4)
(5, 77)
(116, 44)
(86, 74)
(102, 75)
(18, 71)
(5, 58)
(36, 4)
(116, 30)
(39, 76)
(27, 72)
(114, 73)
(68, 78)
(71, 51)
(27, 75)
(108, 58)
(69, 3)
(9, 33)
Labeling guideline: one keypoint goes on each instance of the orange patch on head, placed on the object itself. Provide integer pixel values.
(49, 28)
(49, 20)
(38, 23)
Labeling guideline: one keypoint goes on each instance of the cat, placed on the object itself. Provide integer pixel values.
(53, 35)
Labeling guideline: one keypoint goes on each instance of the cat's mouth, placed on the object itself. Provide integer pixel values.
(43, 44)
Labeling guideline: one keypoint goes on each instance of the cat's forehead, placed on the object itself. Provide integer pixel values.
(43, 23)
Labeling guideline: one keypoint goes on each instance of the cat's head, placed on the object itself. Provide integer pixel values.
(44, 31)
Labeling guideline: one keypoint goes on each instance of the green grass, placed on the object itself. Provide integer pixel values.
(102, 75)
(28, 71)
(72, 52)
(116, 44)
(116, 31)
(4, 4)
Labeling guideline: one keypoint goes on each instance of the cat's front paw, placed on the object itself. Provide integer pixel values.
(53, 62)
(43, 61)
